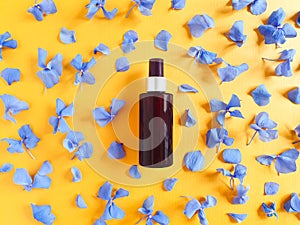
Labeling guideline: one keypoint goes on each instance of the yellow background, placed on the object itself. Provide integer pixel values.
(30, 34)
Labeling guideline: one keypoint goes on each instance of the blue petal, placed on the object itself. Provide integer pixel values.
(11, 75)
(42, 55)
(101, 116)
(191, 208)
(268, 31)
(100, 222)
(236, 33)
(122, 64)
(170, 183)
(229, 73)
(48, 6)
(43, 214)
(224, 172)
(297, 130)
(240, 4)
(271, 188)
(287, 54)
(178, 4)
(199, 24)
(86, 66)
(206, 57)
(268, 135)
(289, 31)
(93, 8)
(36, 12)
(210, 201)
(54, 121)
(109, 14)
(234, 102)
(22, 177)
(49, 77)
(84, 151)
(71, 142)
(276, 18)
(284, 69)
(12, 106)
(261, 95)
(130, 37)
(285, 162)
(14, 145)
(105, 191)
(263, 121)
(258, 7)
(55, 64)
(147, 205)
(77, 176)
(161, 218)
(240, 172)
(187, 88)
(45, 169)
(202, 217)
(102, 48)
(120, 193)
(116, 212)
(212, 137)
(62, 109)
(67, 36)
(77, 62)
(116, 105)
(80, 202)
(242, 197)
(41, 181)
(232, 155)
(134, 172)
(194, 161)
(221, 117)
(116, 150)
(295, 202)
(189, 120)
(29, 138)
(238, 217)
(87, 77)
(216, 105)
(265, 159)
(236, 113)
(270, 210)
(162, 40)
(6, 167)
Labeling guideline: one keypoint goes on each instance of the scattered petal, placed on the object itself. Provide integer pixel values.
(238, 217)
(187, 88)
(103, 49)
(162, 40)
(80, 202)
(116, 150)
(294, 95)
(11, 75)
(11, 43)
(130, 37)
(229, 73)
(178, 4)
(170, 183)
(293, 204)
(194, 161)
(189, 120)
(261, 95)
(77, 176)
(270, 210)
(199, 24)
(236, 33)
(43, 214)
(95, 5)
(232, 155)
(134, 172)
(6, 167)
(203, 56)
(271, 188)
(46, 7)
(144, 6)
(84, 151)
(298, 19)
(67, 36)
(216, 136)
(258, 7)
(83, 75)
(122, 64)
(241, 197)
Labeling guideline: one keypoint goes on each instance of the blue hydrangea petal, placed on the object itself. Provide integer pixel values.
(67, 36)
(49, 77)
(238, 217)
(161, 218)
(216, 105)
(36, 12)
(30, 140)
(84, 151)
(232, 155)
(122, 64)
(80, 202)
(105, 191)
(234, 102)
(87, 78)
(261, 95)
(284, 69)
(189, 120)
(212, 137)
(72, 140)
(242, 197)
(268, 135)
(263, 121)
(224, 172)
(240, 171)
(285, 162)
(100, 222)
(109, 14)
(22, 177)
(116, 150)
(270, 209)
(178, 4)
(206, 57)
(45, 169)
(227, 141)
(11, 75)
(116, 212)
(202, 217)
(147, 205)
(101, 116)
(130, 37)
(268, 31)
(14, 145)
(102, 48)
(193, 51)
(43, 214)
(134, 172)
(210, 201)
(144, 11)
(120, 193)
(265, 159)
(298, 19)
(77, 176)
(297, 130)
(77, 62)
(6, 167)
(42, 55)
(170, 183)
(240, 4)
(236, 113)
(289, 31)
(194, 161)
(271, 188)
(236, 33)
(221, 117)
(162, 40)
(287, 54)
(116, 105)
(295, 202)
(41, 181)
(191, 208)
(93, 7)
(48, 7)
(229, 73)
(276, 18)
(199, 24)
(258, 7)
(187, 88)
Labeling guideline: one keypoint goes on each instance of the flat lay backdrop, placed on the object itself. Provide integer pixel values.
(31, 34)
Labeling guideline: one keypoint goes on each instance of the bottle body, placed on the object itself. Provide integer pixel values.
(156, 129)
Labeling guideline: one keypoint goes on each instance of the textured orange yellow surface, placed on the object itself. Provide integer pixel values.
(30, 34)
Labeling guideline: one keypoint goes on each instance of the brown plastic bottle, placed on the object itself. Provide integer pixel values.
(156, 120)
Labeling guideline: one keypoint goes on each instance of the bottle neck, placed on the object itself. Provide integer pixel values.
(156, 84)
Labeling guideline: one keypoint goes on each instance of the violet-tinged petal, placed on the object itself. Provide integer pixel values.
(6, 167)
(187, 88)
(236, 33)
(116, 150)
(189, 120)
(240, 4)
(221, 117)
(161, 218)
(284, 69)
(105, 191)
(80, 202)
(261, 95)
(276, 18)
(194, 161)
(294, 95)
(234, 102)
(169, 183)
(297, 130)
(43, 214)
(134, 172)
(11, 75)
(238, 217)
(122, 64)
(67, 36)
(271, 188)
(178, 4)
(22, 177)
(77, 176)
(103, 49)
(199, 24)
(191, 208)
(258, 7)
(232, 155)
(265, 159)
(162, 40)
(29, 139)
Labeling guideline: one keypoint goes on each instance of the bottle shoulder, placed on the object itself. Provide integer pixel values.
(155, 93)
